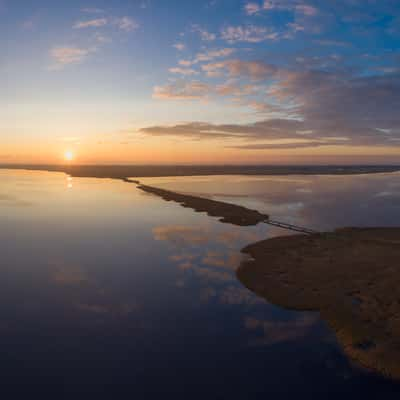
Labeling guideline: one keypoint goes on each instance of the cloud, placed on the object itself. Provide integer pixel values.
(126, 24)
(297, 6)
(92, 10)
(192, 130)
(207, 55)
(330, 42)
(252, 8)
(292, 144)
(271, 129)
(179, 46)
(332, 104)
(388, 70)
(294, 27)
(64, 55)
(182, 90)
(232, 88)
(339, 104)
(185, 63)
(254, 70)
(101, 38)
(214, 69)
(92, 23)
(212, 54)
(332, 108)
(248, 33)
(310, 98)
(68, 55)
(251, 69)
(306, 9)
(204, 34)
(183, 71)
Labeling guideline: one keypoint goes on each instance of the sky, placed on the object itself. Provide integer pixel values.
(200, 82)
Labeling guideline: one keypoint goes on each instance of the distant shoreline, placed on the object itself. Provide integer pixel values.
(147, 171)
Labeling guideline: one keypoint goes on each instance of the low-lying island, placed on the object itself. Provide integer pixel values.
(351, 276)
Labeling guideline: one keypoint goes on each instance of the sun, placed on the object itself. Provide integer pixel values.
(69, 155)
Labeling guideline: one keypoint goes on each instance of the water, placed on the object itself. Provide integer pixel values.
(320, 202)
(106, 290)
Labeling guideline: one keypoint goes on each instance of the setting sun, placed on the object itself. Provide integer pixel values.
(69, 155)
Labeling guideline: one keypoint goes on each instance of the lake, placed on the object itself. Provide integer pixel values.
(109, 291)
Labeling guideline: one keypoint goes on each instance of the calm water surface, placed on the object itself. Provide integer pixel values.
(109, 291)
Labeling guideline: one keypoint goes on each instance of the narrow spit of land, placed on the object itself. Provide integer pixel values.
(228, 213)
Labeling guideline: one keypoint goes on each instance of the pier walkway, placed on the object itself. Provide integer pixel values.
(290, 227)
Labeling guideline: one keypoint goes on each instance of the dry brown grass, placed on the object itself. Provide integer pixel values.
(228, 213)
(351, 276)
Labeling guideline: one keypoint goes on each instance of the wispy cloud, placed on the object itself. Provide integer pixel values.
(329, 42)
(212, 54)
(92, 23)
(273, 130)
(252, 8)
(179, 46)
(127, 24)
(183, 71)
(306, 9)
(254, 70)
(76, 54)
(208, 56)
(182, 90)
(248, 33)
(102, 39)
(205, 35)
(93, 10)
(63, 56)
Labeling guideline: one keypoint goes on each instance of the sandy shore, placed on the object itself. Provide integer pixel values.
(351, 276)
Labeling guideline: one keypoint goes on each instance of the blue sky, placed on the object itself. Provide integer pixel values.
(200, 81)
